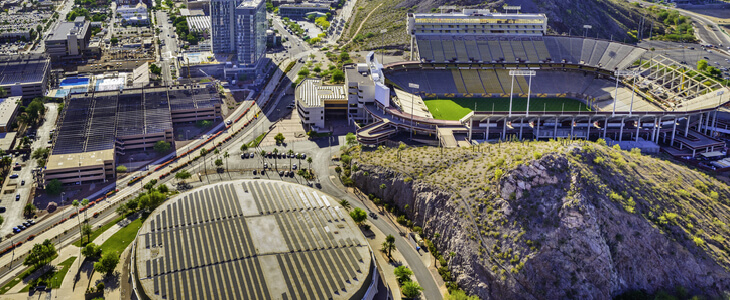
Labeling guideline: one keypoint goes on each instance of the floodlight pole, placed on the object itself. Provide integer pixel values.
(633, 91)
(511, 90)
(413, 86)
(529, 89)
(615, 97)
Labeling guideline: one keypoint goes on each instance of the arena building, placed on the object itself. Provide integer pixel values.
(252, 239)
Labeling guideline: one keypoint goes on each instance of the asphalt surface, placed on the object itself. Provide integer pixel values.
(14, 214)
(168, 52)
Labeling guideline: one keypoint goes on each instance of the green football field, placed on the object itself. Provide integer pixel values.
(457, 108)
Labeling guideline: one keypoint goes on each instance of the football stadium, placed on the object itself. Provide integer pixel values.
(477, 75)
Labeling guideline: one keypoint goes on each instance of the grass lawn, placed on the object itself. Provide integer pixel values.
(120, 240)
(98, 232)
(54, 277)
(257, 141)
(18, 279)
(457, 108)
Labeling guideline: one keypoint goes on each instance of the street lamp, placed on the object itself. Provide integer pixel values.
(514, 73)
(625, 73)
(382, 38)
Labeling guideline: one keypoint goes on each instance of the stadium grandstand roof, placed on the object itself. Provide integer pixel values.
(92, 121)
(252, 239)
(561, 49)
(23, 68)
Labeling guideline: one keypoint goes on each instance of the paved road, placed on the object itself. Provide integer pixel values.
(168, 52)
(708, 36)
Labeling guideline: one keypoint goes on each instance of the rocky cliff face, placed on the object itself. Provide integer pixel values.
(543, 231)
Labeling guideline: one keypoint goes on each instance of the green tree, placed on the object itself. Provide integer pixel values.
(54, 187)
(182, 175)
(389, 246)
(350, 139)
(411, 289)
(701, 65)
(218, 163)
(402, 273)
(41, 254)
(401, 147)
(279, 138)
(149, 186)
(86, 231)
(244, 148)
(114, 41)
(3, 92)
(162, 147)
(107, 264)
(29, 210)
(163, 188)
(91, 250)
(338, 76)
(121, 169)
(358, 216)
(154, 69)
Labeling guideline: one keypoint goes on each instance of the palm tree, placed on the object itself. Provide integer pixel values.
(203, 153)
(289, 154)
(276, 165)
(389, 245)
(84, 203)
(263, 157)
(345, 204)
(309, 161)
(76, 204)
(226, 155)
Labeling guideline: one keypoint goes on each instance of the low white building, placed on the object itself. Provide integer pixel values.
(314, 98)
(133, 14)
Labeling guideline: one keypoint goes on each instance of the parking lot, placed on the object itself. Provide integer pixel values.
(689, 53)
(15, 188)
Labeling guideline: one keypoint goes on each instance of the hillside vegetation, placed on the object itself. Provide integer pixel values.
(615, 19)
(559, 219)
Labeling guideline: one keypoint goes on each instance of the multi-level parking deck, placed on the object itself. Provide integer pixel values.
(259, 239)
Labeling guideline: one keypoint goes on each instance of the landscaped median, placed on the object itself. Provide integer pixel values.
(53, 278)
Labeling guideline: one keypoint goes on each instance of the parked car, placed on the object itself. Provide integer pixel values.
(17, 197)
(2, 209)
(22, 182)
(251, 155)
(229, 122)
(281, 173)
(16, 229)
(13, 176)
(294, 166)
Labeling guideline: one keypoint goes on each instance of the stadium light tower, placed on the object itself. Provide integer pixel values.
(625, 73)
(416, 87)
(514, 73)
(586, 27)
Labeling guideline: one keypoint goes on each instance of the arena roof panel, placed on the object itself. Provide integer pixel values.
(263, 233)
